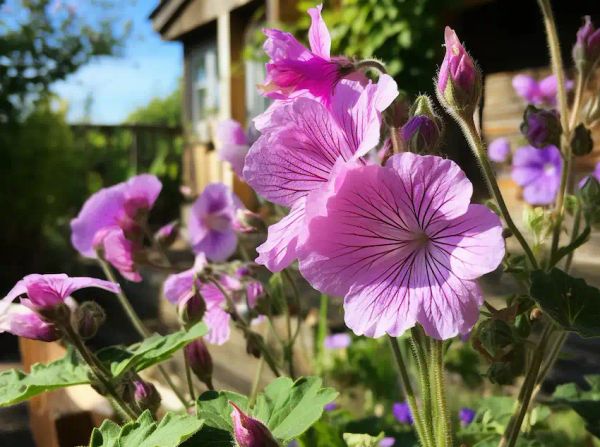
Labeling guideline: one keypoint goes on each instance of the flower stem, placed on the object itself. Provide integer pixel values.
(513, 429)
(409, 393)
(444, 434)
(371, 63)
(474, 140)
(574, 234)
(256, 382)
(98, 370)
(188, 376)
(140, 328)
(419, 352)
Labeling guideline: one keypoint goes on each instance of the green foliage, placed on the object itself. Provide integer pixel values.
(171, 431)
(569, 301)
(355, 440)
(585, 403)
(407, 35)
(286, 407)
(17, 386)
(46, 44)
(590, 201)
(165, 111)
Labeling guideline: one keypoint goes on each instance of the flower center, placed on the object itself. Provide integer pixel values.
(549, 169)
(217, 222)
(421, 239)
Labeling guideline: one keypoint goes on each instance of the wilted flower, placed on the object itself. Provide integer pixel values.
(299, 144)
(459, 80)
(250, 432)
(499, 150)
(538, 171)
(212, 222)
(466, 416)
(582, 142)
(402, 244)
(234, 144)
(338, 341)
(541, 127)
(200, 361)
(402, 413)
(293, 69)
(586, 51)
(121, 205)
(538, 93)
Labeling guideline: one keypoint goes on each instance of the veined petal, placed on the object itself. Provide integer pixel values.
(178, 285)
(21, 321)
(280, 248)
(217, 321)
(318, 34)
(217, 245)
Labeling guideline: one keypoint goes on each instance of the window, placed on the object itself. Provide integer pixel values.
(205, 87)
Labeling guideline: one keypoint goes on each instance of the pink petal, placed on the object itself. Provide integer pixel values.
(231, 132)
(217, 321)
(318, 35)
(19, 289)
(279, 250)
(21, 321)
(527, 88)
(177, 286)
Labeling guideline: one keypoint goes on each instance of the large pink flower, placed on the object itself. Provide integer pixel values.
(293, 69)
(402, 244)
(300, 142)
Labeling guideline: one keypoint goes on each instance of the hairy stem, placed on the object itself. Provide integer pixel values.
(513, 429)
(371, 63)
(420, 354)
(409, 393)
(140, 328)
(474, 139)
(444, 433)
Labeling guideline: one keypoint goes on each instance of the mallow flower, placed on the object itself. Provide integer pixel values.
(299, 144)
(120, 211)
(402, 413)
(499, 150)
(538, 172)
(466, 416)
(212, 222)
(538, 93)
(402, 244)
(294, 70)
(21, 321)
(234, 143)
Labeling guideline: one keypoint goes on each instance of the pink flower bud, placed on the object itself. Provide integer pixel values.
(200, 361)
(586, 51)
(250, 432)
(146, 396)
(459, 80)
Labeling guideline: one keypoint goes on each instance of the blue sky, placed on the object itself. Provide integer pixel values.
(149, 67)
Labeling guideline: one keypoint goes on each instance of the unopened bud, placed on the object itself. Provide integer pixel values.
(88, 317)
(586, 51)
(249, 222)
(581, 141)
(146, 396)
(200, 361)
(541, 127)
(192, 309)
(250, 432)
(459, 80)
(254, 344)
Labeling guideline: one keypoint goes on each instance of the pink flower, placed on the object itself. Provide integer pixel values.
(250, 432)
(234, 144)
(21, 321)
(538, 172)
(212, 223)
(402, 244)
(538, 93)
(586, 51)
(45, 291)
(299, 144)
(499, 150)
(293, 69)
(119, 251)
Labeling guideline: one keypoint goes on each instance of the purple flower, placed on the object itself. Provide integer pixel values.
(294, 70)
(402, 413)
(464, 88)
(338, 341)
(541, 127)
(586, 51)
(212, 223)
(200, 360)
(595, 174)
(331, 406)
(538, 93)
(499, 150)
(538, 172)
(299, 144)
(402, 244)
(146, 395)
(234, 144)
(167, 234)
(120, 206)
(466, 416)
(387, 442)
(250, 432)
(21, 321)
(421, 134)
(114, 247)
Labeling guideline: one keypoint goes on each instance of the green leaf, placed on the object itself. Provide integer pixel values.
(354, 440)
(154, 349)
(569, 301)
(286, 407)
(585, 403)
(171, 431)
(290, 408)
(17, 386)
